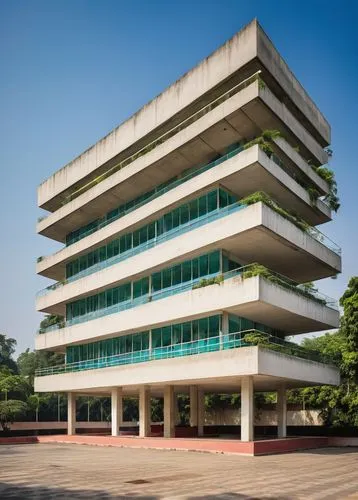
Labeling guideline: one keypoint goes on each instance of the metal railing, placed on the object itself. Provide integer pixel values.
(245, 338)
(247, 271)
(160, 192)
(168, 235)
(170, 133)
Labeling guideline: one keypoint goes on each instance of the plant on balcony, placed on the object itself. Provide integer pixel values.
(51, 320)
(217, 280)
(304, 290)
(332, 197)
(39, 259)
(264, 141)
(264, 198)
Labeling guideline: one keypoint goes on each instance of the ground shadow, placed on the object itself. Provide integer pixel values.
(20, 492)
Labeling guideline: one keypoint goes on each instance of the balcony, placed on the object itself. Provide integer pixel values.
(226, 341)
(62, 292)
(241, 114)
(252, 292)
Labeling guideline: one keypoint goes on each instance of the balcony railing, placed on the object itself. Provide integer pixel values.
(160, 192)
(248, 271)
(198, 222)
(236, 340)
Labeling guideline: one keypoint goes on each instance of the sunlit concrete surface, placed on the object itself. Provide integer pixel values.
(54, 471)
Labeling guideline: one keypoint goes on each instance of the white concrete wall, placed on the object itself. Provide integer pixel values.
(80, 204)
(220, 368)
(231, 416)
(285, 187)
(252, 297)
(190, 244)
(234, 54)
(277, 364)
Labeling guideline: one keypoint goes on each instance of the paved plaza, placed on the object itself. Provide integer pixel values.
(44, 471)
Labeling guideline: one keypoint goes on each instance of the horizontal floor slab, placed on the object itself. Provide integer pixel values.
(215, 372)
(253, 298)
(242, 116)
(252, 234)
(247, 172)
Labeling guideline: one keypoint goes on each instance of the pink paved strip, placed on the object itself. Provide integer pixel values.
(232, 446)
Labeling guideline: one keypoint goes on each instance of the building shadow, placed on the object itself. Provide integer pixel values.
(20, 492)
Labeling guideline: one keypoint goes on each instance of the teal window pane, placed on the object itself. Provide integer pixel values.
(137, 342)
(137, 289)
(195, 330)
(176, 275)
(156, 337)
(122, 344)
(168, 222)
(203, 328)
(102, 254)
(223, 198)
(187, 332)
(176, 335)
(186, 267)
(166, 336)
(214, 326)
(193, 209)
(203, 265)
(195, 269)
(156, 281)
(129, 343)
(212, 201)
(167, 278)
(145, 340)
(109, 297)
(136, 238)
(184, 214)
(202, 206)
(176, 217)
(83, 262)
(143, 235)
(214, 262)
(151, 231)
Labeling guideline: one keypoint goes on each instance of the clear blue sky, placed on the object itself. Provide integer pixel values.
(73, 70)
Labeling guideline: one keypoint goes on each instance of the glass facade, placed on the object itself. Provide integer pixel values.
(131, 293)
(185, 213)
(196, 333)
(123, 209)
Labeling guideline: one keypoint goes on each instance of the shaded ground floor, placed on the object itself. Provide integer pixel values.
(73, 472)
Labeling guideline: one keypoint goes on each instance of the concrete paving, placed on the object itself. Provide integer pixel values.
(53, 471)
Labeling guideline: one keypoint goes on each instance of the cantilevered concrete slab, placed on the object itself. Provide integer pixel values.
(248, 51)
(253, 298)
(240, 118)
(252, 234)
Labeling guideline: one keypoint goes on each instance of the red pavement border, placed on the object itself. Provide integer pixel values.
(231, 446)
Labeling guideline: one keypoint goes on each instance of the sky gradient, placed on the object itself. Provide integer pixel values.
(73, 70)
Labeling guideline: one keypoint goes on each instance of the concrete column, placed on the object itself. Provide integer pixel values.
(71, 413)
(144, 411)
(224, 327)
(193, 405)
(169, 412)
(247, 409)
(201, 412)
(117, 409)
(281, 412)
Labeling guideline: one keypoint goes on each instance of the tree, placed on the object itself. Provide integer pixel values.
(7, 349)
(29, 361)
(338, 405)
(10, 410)
(14, 384)
(50, 320)
(349, 327)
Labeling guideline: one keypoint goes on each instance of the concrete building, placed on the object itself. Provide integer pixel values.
(189, 233)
